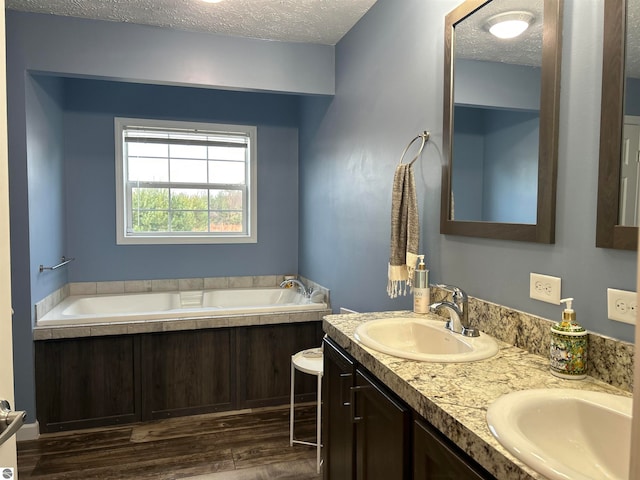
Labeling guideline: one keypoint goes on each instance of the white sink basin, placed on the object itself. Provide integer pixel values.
(425, 340)
(565, 434)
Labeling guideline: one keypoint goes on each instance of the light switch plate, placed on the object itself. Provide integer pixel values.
(545, 288)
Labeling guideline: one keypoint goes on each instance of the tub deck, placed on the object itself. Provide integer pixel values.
(97, 315)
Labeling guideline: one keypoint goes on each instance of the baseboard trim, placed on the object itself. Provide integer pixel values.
(29, 431)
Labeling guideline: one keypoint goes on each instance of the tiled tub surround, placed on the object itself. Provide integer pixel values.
(164, 325)
(454, 397)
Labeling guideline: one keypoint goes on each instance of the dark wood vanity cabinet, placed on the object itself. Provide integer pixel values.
(435, 457)
(366, 432)
(382, 431)
(370, 434)
(338, 432)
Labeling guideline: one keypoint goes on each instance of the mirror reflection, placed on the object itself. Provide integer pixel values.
(629, 209)
(496, 115)
(515, 180)
(617, 214)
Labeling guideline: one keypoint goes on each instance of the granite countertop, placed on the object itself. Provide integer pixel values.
(454, 397)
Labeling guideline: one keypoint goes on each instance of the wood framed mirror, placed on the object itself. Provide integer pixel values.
(612, 230)
(517, 198)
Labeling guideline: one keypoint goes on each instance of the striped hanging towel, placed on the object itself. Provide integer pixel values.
(405, 231)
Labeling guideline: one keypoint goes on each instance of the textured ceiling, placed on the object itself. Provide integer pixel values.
(317, 21)
(473, 40)
(309, 21)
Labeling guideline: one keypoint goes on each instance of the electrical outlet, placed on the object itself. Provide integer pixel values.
(622, 305)
(545, 288)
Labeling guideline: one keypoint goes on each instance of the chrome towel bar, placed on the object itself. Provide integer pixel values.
(424, 136)
(64, 261)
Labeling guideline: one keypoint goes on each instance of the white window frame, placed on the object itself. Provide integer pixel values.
(250, 216)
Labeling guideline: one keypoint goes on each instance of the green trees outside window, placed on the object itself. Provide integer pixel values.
(186, 210)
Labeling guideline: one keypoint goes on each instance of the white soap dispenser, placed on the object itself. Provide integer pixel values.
(568, 352)
(421, 293)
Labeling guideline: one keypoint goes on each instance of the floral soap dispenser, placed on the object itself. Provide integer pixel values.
(568, 352)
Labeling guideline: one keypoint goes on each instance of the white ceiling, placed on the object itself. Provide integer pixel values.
(473, 40)
(309, 21)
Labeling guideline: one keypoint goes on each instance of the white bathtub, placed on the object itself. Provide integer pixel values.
(85, 309)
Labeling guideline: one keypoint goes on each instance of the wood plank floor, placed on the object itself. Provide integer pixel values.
(251, 445)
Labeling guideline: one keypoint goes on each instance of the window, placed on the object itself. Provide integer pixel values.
(183, 182)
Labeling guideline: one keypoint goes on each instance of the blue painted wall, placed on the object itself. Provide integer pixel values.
(41, 49)
(389, 86)
(468, 165)
(495, 101)
(147, 54)
(491, 182)
(70, 164)
(511, 166)
(41, 217)
(632, 96)
(89, 109)
(388, 73)
(496, 84)
(46, 173)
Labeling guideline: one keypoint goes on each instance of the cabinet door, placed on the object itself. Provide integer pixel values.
(436, 458)
(382, 431)
(264, 360)
(87, 382)
(337, 427)
(188, 372)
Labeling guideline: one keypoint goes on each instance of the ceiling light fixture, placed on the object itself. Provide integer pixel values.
(211, 1)
(509, 24)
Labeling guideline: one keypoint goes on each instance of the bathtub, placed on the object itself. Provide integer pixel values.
(90, 309)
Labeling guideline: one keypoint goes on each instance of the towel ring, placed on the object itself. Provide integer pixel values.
(425, 138)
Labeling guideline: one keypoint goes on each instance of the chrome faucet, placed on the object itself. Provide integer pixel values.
(458, 312)
(301, 287)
